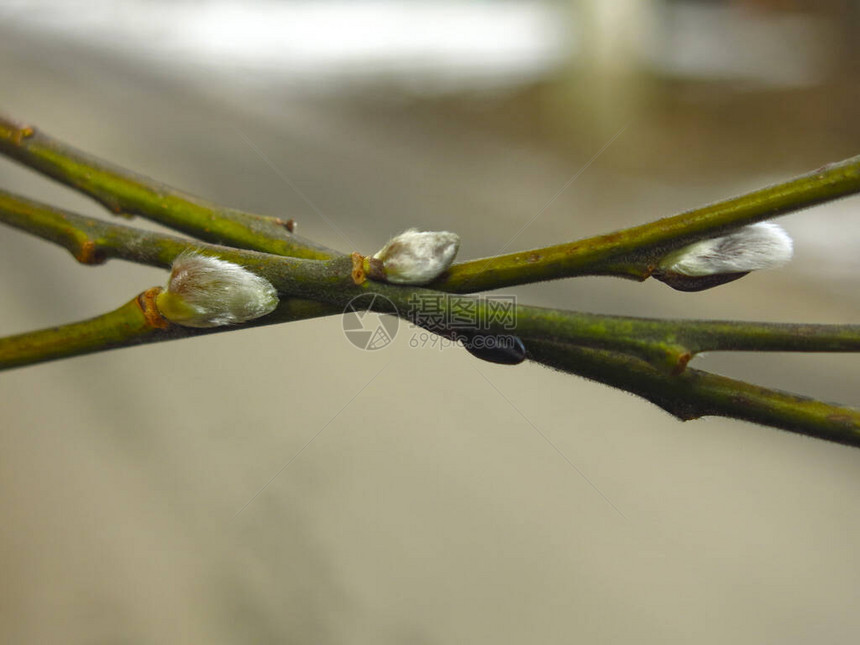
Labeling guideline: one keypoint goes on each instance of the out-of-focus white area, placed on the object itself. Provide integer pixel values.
(443, 46)
(319, 46)
(415, 494)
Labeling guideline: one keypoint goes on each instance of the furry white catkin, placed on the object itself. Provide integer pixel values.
(203, 291)
(758, 246)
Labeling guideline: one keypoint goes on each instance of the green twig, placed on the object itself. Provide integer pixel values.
(122, 191)
(631, 253)
(91, 240)
(132, 323)
(634, 252)
(668, 343)
(135, 323)
(696, 394)
(690, 395)
(721, 335)
(644, 356)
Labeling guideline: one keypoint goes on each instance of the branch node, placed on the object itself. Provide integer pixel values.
(681, 364)
(90, 253)
(24, 133)
(153, 317)
(20, 132)
(358, 274)
(290, 224)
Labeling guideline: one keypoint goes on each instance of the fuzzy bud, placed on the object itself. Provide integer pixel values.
(415, 257)
(207, 292)
(708, 263)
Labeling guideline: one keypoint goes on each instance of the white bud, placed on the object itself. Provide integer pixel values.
(707, 263)
(207, 292)
(415, 257)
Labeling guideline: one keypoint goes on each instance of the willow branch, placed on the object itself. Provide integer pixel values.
(92, 240)
(130, 324)
(612, 348)
(631, 253)
(690, 395)
(721, 335)
(634, 252)
(668, 343)
(696, 394)
(643, 356)
(122, 191)
(137, 322)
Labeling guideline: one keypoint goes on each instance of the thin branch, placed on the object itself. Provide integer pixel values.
(696, 394)
(91, 240)
(634, 252)
(644, 356)
(721, 335)
(667, 343)
(122, 191)
(690, 395)
(137, 322)
(631, 253)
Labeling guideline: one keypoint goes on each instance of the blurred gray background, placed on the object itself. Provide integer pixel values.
(419, 495)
